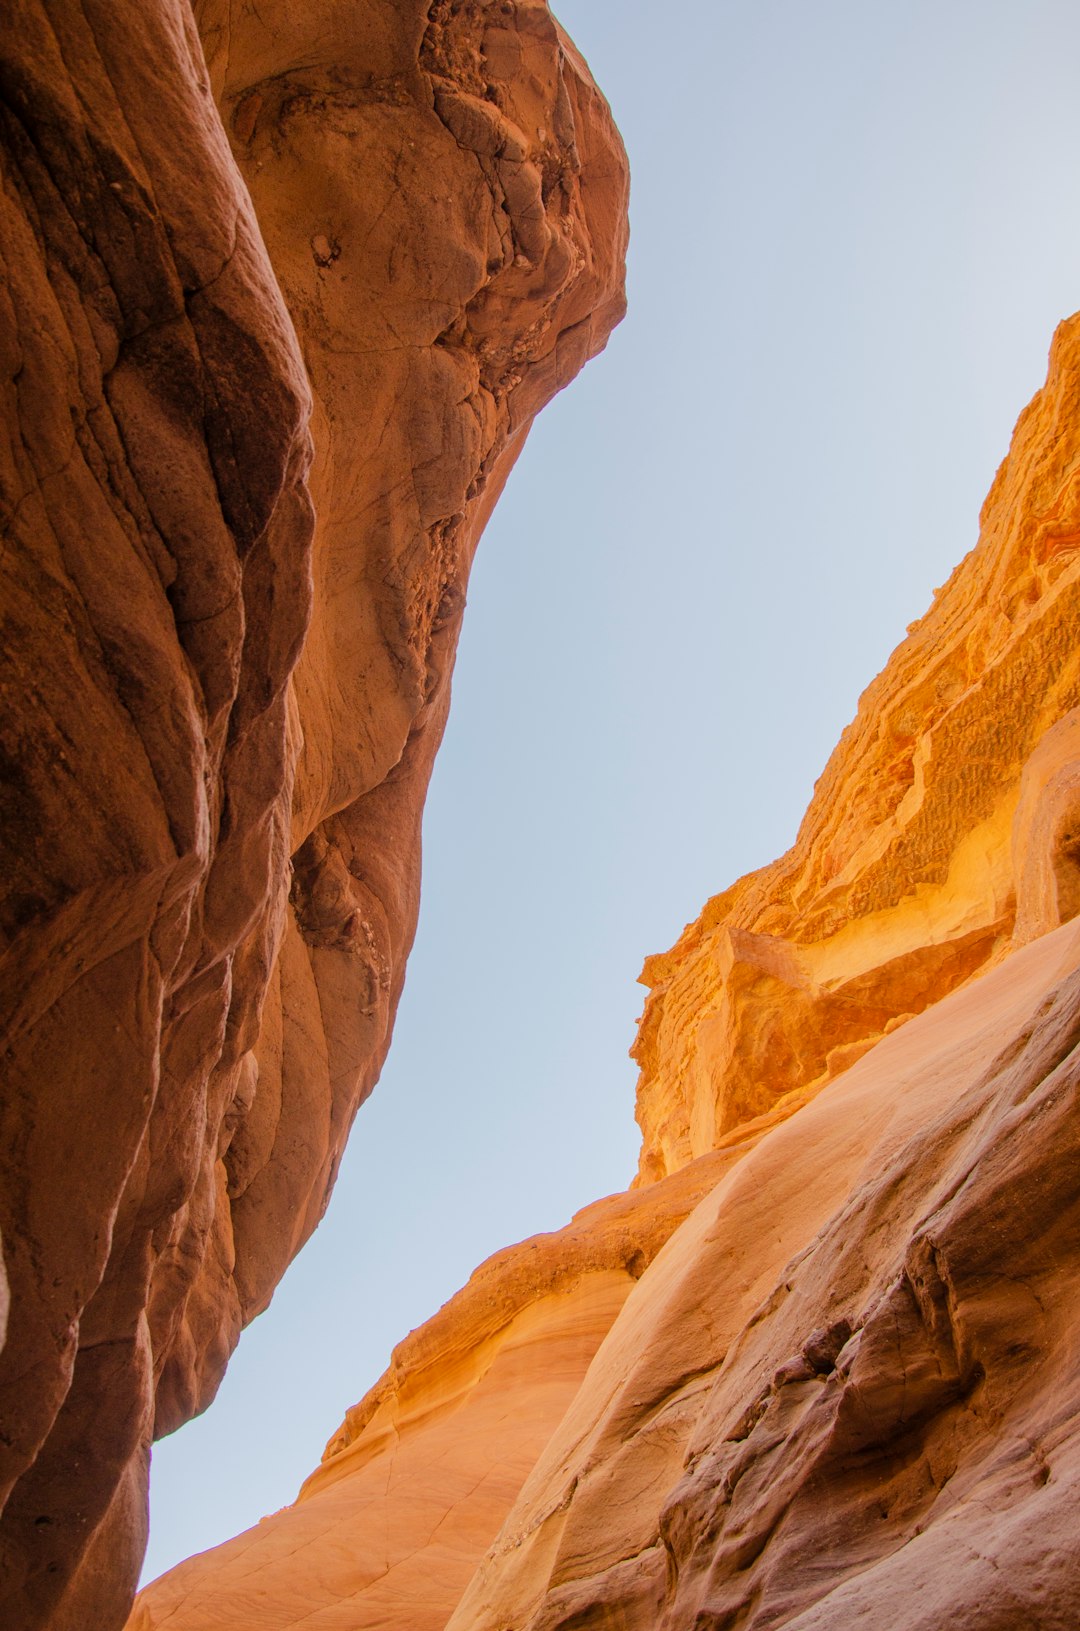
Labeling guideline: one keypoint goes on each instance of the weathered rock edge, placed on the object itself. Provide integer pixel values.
(221, 703)
(845, 1392)
(414, 1486)
(941, 834)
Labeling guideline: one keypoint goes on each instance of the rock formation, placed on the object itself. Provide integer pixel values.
(938, 836)
(845, 1394)
(844, 1391)
(415, 1485)
(282, 289)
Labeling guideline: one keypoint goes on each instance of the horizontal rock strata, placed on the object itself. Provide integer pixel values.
(277, 305)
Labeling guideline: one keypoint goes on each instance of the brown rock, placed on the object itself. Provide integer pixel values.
(154, 470)
(211, 854)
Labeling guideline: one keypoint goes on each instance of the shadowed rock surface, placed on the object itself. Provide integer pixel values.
(275, 318)
(844, 1391)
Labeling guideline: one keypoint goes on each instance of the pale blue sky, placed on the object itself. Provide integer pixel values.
(855, 226)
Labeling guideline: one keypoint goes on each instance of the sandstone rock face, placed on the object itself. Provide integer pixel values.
(415, 1485)
(276, 316)
(937, 836)
(844, 1391)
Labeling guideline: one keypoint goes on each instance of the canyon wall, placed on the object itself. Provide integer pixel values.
(282, 289)
(843, 1390)
(416, 1483)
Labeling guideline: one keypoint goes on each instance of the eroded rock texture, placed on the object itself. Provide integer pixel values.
(275, 320)
(844, 1391)
(943, 831)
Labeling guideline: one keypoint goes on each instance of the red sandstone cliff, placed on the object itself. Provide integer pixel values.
(282, 289)
(844, 1390)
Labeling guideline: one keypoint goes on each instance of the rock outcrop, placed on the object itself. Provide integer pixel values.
(278, 305)
(941, 833)
(844, 1391)
(416, 1483)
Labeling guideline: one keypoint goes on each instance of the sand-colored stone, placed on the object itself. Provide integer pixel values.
(275, 322)
(845, 1392)
(417, 1482)
(908, 873)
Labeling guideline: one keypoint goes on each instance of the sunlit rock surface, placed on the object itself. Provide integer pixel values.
(945, 828)
(844, 1392)
(425, 1468)
(275, 320)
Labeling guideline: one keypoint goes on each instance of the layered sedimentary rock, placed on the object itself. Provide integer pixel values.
(844, 1392)
(940, 834)
(276, 315)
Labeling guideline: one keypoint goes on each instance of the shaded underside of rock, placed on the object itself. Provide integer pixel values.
(281, 291)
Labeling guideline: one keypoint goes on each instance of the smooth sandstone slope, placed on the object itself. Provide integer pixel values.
(416, 1483)
(276, 319)
(845, 1391)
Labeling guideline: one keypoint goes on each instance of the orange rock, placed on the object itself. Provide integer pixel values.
(416, 1484)
(821, 1373)
(907, 875)
(155, 588)
(220, 712)
(844, 1391)
(1046, 833)
(852, 1366)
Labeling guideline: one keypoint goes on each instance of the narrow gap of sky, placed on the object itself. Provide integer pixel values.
(853, 232)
